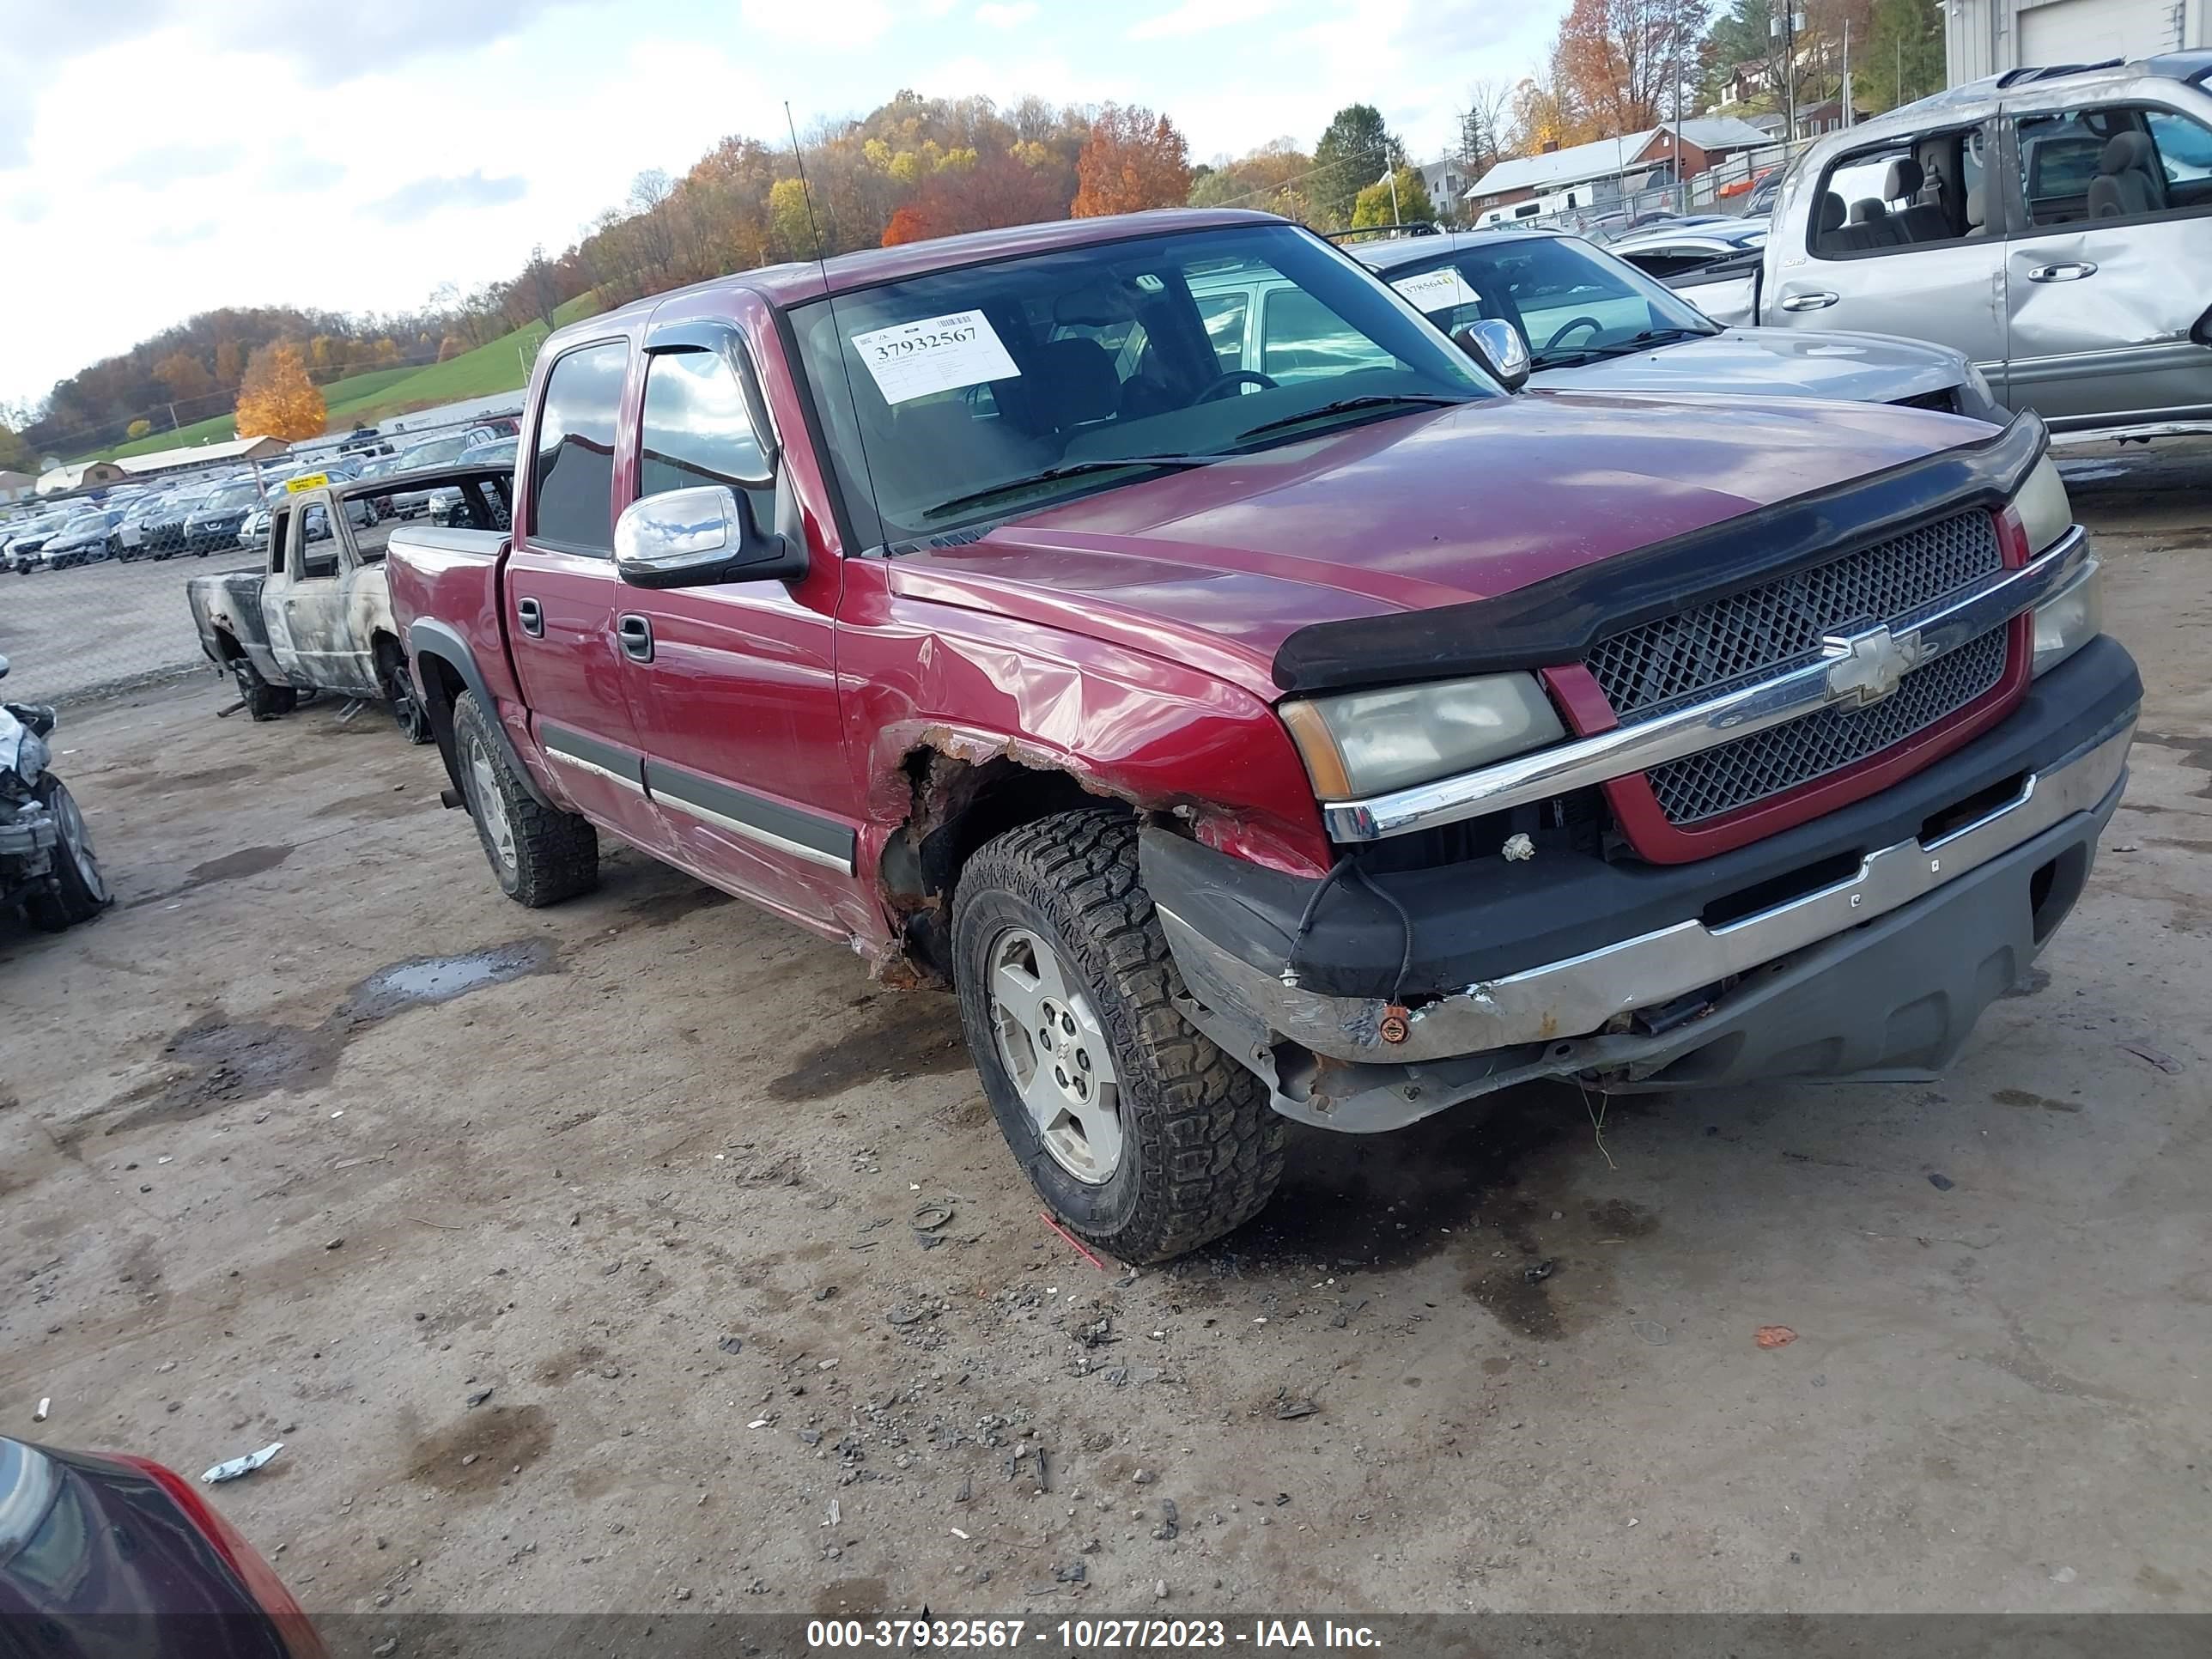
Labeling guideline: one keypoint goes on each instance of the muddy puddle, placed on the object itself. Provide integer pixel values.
(226, 1061)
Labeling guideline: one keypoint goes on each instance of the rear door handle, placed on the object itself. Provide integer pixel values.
(2070, 270)
(1819, 299)
(635, 634)
(531, 618)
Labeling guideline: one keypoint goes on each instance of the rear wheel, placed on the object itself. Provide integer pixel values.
(1139, 1133)
(263, 700)
(407, 711)
(539, 854)
(80, 891)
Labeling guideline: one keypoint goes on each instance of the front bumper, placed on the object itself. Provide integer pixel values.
(1865, 943)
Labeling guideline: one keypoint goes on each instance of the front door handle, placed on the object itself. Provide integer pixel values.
(2071, 270)
(1818, 299)
(635, 634)
(531, 618)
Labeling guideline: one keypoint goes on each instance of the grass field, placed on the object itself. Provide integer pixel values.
(501, 365)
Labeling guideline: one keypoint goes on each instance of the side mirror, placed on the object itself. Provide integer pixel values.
(688, 538)
(3, 668)
(1496, 345)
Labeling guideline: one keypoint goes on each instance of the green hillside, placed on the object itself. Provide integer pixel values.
(501, 365)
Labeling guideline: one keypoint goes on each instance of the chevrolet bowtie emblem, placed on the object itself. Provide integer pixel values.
(1864, 668)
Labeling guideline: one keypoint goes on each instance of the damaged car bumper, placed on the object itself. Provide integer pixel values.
(1863, 945)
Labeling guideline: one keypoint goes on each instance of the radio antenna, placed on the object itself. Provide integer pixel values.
(837, 341)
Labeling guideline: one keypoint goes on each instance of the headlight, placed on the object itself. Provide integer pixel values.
(1366, 743)
(2043, 507)
(2070, 619)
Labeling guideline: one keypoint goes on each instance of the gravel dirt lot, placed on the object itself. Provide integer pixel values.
(639, 1254)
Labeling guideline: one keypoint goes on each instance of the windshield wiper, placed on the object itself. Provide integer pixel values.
(1344, 405)
(1066, 469)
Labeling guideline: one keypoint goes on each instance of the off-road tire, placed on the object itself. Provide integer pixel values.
(408, 713)
(71, 899)
(263, 700)
(1201, 1149)
(552, 856)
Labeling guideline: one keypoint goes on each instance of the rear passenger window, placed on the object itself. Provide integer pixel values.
(697, 429)
(572, 474)
(1901, 195)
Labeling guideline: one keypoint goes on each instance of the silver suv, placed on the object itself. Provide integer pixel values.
(2055, 225)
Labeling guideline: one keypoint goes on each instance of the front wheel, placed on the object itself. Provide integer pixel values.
(538, 855)
(80, 891)
(1141, 1135)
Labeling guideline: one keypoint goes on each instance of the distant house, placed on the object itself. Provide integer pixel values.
(1592, 175)
(185, 457)
(17, 486)
(79, 475)
(1447, 181)
(1827, 117)
(1746, 81)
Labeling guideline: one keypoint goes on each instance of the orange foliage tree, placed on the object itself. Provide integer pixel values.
(907, 225)
(277, 399)
(1133, 159)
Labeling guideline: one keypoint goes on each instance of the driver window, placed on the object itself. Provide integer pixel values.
(319, 549)
(2112, 163)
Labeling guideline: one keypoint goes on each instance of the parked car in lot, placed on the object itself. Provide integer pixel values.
(1325, 736)
(163, 532)
(21, 551)
(1591, 320)
(1669, 251)
(101, 1553)
(212, 524)
(2037, 222)
(316, 615)
(82, 539)
(427, 456)
(127, 541)
(47, 866)
(448, 506)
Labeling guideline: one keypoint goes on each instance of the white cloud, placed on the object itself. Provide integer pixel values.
(1198, 17)
(1006, 14)
(820, 22)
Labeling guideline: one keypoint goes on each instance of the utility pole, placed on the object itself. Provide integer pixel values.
(1392, 175)
(1787, 26)
(1847, 72)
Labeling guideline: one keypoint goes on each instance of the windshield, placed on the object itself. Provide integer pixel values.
(1571, 302)
(231, 497)
(990, 389)
(436, 452)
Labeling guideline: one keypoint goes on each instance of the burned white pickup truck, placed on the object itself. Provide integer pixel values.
(317, 616)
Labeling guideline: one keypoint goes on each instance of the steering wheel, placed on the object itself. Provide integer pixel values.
(1235, 377)
(1566, 329)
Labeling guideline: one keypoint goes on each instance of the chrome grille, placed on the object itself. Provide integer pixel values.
(1714, 648)
(1716, 780)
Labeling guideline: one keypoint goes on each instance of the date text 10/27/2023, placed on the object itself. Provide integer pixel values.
(1085, 1635)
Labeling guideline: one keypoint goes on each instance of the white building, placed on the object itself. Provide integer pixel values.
(1988, 37)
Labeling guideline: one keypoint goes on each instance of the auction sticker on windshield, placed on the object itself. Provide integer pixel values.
(938, 354)
(1437, 290)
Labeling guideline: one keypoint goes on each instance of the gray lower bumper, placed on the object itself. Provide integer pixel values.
(1878, 977)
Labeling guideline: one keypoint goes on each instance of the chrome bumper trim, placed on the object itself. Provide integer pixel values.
(1920, 637)
(1577, 995)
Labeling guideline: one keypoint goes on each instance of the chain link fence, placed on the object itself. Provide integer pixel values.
(97, 629)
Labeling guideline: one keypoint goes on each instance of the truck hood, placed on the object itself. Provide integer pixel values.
(1218, 565)
(1775, 362)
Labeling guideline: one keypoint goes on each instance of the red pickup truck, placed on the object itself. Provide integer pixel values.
(1255, 724)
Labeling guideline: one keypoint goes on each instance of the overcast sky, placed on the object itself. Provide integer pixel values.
(162, 157)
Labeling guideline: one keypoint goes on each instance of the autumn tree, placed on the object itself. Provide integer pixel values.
(1629, 61)
(1132, 160)
(1270, 179)
(184, 376)
(16, 455)
(276, 398)
(137, 429)
(1374, 206)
